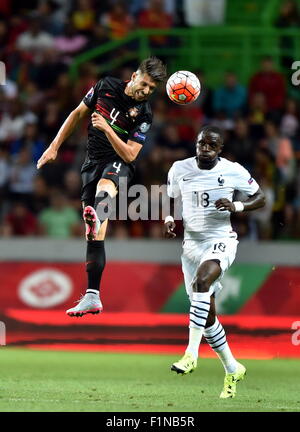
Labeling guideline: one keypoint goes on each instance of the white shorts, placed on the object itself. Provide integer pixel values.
(195, 252)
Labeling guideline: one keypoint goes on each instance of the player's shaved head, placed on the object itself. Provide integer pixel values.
(212, 131)
(208, 146)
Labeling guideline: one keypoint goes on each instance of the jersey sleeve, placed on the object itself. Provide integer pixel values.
(90, 98)
(142, 127)
(173, 189)
(244, 181)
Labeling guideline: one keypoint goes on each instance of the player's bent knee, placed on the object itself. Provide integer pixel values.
(202, 284)
(106, 185)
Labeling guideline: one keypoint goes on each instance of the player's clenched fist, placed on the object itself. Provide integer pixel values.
(168, 229)
(99, 122)
(48, 155)
(224, 204)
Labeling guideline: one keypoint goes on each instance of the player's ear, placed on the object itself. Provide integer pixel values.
(133, 76)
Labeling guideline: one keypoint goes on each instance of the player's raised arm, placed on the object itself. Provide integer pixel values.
(64, 132)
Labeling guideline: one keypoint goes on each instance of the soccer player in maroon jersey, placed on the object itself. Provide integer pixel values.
(120, 119)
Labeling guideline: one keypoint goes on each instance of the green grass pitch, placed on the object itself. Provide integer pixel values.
(81, 381)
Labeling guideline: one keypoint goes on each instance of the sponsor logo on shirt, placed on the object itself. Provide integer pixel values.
(139, 135)
(90, 93)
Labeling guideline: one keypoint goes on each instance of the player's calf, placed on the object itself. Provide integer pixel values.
(92, 223)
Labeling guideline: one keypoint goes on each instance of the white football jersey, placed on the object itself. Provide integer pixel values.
(199, 189)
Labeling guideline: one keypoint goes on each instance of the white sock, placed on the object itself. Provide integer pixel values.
(92, 291)
(216, 337)
(199, 309)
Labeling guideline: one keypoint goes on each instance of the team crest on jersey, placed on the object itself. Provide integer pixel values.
(133, 112)
(221, 180)
(144, 127)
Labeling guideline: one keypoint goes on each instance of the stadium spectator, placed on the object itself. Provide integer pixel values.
(20, 222)
(155, 17)
(21, 176)
(84, 17)
(282, 151)
(120, 231)
(240, 145)
(289, 15)
(60, 219)
(49, 19)
(231, 98)
(270, 83)
(34, 40)
(187, 118)
(3, 38)
(70, 42)
(173, 146)
(47, 71)
(72, 187)
(117, 21)
(14, 119)
(257, 112)
(59, 94)
(290, 123)
(205, 102)
(4, 173)
(40, 195)
(204, 12)
(33, 97)
(98, 38)
(29, 140)
(51, 118)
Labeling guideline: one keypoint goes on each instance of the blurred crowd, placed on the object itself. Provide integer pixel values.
(38, 43)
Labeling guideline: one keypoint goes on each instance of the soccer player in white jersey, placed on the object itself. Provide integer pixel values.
(205, 184)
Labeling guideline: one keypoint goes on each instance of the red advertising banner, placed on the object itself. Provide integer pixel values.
(125, 286)
(34, 297)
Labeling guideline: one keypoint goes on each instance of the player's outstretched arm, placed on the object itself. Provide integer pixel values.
(64, 132)
(254, 202)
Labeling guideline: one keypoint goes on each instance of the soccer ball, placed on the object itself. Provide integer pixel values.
(183, 87)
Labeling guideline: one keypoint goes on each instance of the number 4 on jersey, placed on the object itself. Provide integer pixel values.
(117, 167)
(112, 116)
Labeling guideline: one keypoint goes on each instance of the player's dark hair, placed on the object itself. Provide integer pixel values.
(213, 129)
(154, 67)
